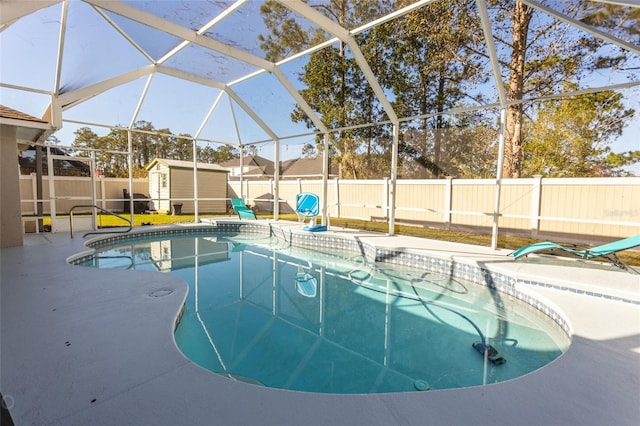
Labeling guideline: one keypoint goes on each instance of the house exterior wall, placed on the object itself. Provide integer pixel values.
(10, 221)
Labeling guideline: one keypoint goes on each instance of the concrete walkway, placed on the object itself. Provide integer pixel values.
(81, 346)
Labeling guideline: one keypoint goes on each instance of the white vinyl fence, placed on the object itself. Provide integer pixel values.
(571, 208)
(72, 190)
(574, 208)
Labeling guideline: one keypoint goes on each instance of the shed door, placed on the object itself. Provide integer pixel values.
(159, 187)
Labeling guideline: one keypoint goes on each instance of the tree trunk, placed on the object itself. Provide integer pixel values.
(520, 18)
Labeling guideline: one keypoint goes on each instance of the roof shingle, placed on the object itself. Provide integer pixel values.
(6, 112)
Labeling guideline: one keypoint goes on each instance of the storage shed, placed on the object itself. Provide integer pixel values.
(171, 186)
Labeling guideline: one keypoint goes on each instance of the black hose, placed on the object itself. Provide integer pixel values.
(423, 302)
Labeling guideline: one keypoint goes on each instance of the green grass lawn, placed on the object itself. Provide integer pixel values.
(506, 242)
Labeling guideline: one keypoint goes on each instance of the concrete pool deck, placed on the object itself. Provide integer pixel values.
(81, 346)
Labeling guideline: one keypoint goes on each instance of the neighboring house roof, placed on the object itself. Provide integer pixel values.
(301, 167)
(294, 168)
(256, 165)
(30, 129)
(181, 164)
(255, 160)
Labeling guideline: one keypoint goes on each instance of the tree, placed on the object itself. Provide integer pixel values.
(520, 19)
(309, 151)
(467, 151)
(621, 21)
(431, 59)
(431, 71)
(249, 150)
(570, 137)
(53, 140)
(332, 77)
(106, 159)
(224, 153)
(286, 35)
(182, 147)
(147, 143)
(219, 155)
(545, 54)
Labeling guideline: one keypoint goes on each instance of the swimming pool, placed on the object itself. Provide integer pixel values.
(339, 316)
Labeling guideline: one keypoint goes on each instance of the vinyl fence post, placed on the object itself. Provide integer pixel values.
(536, 204)
(448, 200)
(336, 182)
(385, 198)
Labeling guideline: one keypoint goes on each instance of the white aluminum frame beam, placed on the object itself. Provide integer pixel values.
(312, 15)
(12, 10)
(61, 38)
(74, 97)
(249, 111)
(502, 96)
(588, 28)
(180, 32)
(198, 38)
(317, 18)
(491, 48)
(123, 33)
(300, 100)
(393, 15)
(630, 3)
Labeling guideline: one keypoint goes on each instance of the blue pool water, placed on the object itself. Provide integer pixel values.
(328, 321)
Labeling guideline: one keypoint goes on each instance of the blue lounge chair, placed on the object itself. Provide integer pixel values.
(241, 209)
(308, 206)
(606, 251)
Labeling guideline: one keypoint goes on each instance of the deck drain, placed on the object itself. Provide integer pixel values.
(161, 292)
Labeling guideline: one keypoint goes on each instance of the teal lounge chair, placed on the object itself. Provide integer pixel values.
(308, 206)
(606, 251)
(241, 208)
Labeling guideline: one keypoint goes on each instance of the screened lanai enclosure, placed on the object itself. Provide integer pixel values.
(379, 89)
